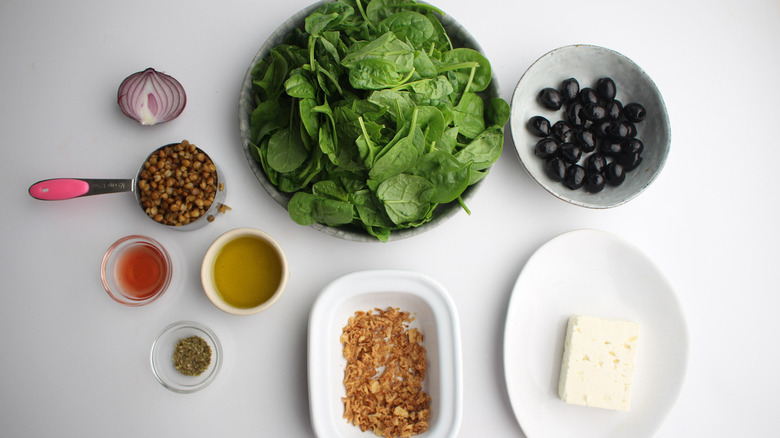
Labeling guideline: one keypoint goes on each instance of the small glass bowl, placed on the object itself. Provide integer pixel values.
(113, 261)
(162, 357)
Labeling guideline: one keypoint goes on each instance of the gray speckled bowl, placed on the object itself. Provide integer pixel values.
(587, 64)
(459, 37)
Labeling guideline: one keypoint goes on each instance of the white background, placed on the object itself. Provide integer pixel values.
(74, 363)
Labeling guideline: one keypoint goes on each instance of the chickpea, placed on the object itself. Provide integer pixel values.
(177, 184)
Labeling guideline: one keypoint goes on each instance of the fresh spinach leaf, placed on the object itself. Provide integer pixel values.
(307, 209)
(472, 67)
(370, 209)
(378, 10)
(328, 16)
(367, 147)
(299, 86)
(400, 157)
(271, 75)
(498, 112)
(399, 104)
(406, 197)
(385, 47)
(266, 118)
(329, 189)
(309, 117)
(448, 176)
(469, 115)
(424, 66)
(484, 150)
(431, 122)
(410, 26)
(286, 150)
(370, 117)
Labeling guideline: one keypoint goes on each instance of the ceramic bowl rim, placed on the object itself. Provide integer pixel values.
(516, 126)
(461, 38)
(206, 276)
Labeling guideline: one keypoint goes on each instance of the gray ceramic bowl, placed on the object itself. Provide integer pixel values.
(459, 37)
(587, 64)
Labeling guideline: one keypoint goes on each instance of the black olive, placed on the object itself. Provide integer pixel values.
(588, 95)
(587, 123)
(594, 112)
(574, 114)
(585, 140)
(546, 147)
(633, 146)
(610, 148)
(596, 129)
(561, 131)
(555, 169)
(631, 129)
(618, 129)
(595, 163)
(551, 99)
(594, 182)
(615, 174)
(630, 161)
(614, 109)
(606, 89)
(570, 152)
(601, 129)
(570, 88)
(634, 112)
(574, 177)
(539, 126)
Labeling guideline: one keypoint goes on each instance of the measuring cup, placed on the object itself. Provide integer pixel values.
(57, 189)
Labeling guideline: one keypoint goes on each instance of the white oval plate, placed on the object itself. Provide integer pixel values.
(592, 273)
(435, 317)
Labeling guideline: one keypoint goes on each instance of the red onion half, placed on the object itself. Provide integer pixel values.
(150, 97)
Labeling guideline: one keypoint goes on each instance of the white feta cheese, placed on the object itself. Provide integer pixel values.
(598, 362)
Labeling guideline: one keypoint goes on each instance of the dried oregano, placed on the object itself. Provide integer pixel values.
(192, 356)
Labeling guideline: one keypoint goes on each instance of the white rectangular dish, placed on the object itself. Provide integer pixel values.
(435, 317)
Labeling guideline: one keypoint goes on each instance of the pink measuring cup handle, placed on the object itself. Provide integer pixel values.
(59, 189)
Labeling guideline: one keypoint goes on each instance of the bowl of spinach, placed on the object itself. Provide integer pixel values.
(371, 120)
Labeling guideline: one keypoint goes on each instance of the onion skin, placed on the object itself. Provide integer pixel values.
(150, 97)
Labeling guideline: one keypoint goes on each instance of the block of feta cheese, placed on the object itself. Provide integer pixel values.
(598, 362)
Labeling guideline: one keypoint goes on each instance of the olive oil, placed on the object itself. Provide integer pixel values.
(247, 272)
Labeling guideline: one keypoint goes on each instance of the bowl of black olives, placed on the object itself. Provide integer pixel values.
(590, 126)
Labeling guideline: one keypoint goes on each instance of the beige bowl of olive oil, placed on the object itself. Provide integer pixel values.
(244, 271)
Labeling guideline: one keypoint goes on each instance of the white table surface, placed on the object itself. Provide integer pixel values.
(74, 363)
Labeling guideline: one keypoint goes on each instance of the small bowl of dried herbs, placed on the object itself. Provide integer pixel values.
(186, 357)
